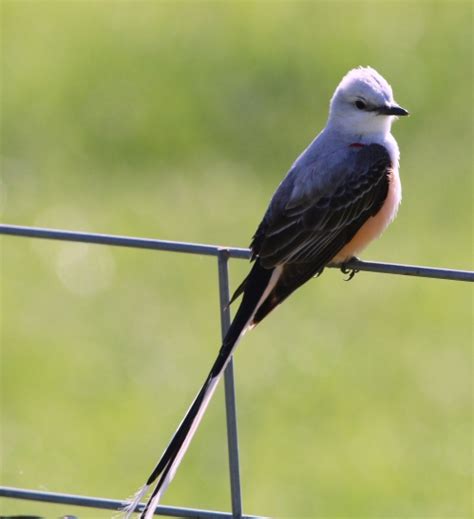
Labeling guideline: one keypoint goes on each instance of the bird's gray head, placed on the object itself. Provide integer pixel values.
(363, 103)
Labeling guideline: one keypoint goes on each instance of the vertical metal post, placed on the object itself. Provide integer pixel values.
(231, 413)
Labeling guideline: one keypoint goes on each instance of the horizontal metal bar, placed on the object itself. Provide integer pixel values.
(111, 504)
(122, 241)
(233, 252)
(409, 270)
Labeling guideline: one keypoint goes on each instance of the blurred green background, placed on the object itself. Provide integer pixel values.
(177, 120)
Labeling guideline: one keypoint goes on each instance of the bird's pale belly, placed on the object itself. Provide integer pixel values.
(375, 225)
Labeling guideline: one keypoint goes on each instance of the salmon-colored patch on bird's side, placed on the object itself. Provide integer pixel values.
(375, 225)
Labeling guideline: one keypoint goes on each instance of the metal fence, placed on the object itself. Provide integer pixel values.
(223, 254)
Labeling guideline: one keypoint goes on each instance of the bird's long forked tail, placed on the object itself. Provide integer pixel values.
(257, 286)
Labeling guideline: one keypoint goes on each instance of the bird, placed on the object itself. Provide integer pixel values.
(338, 196)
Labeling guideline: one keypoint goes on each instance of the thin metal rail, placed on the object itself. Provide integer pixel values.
(121, 241)
(233, 252)
(110, 504)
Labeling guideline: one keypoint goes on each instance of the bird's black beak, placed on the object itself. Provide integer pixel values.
(392, 110)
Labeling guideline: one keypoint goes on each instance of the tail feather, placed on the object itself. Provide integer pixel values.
(257, 286)
(174, 462)
(135, 500)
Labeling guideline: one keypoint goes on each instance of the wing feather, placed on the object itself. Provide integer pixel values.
(303, 234)
(305, 228)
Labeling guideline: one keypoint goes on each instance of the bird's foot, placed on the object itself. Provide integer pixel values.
(351, 271)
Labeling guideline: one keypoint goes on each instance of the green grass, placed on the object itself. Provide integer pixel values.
(177, 120)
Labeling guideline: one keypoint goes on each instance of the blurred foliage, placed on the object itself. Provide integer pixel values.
(177, 120)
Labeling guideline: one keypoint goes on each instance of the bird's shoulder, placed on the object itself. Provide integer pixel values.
(322, 171)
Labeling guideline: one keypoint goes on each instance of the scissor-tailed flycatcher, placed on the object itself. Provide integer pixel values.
(339, 195)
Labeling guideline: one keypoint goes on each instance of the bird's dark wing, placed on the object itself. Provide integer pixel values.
(307, 227)
(305, 234)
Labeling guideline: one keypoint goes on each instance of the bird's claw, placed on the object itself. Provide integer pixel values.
(351, 271)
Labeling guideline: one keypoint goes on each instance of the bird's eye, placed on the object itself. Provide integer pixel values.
(360, 104)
